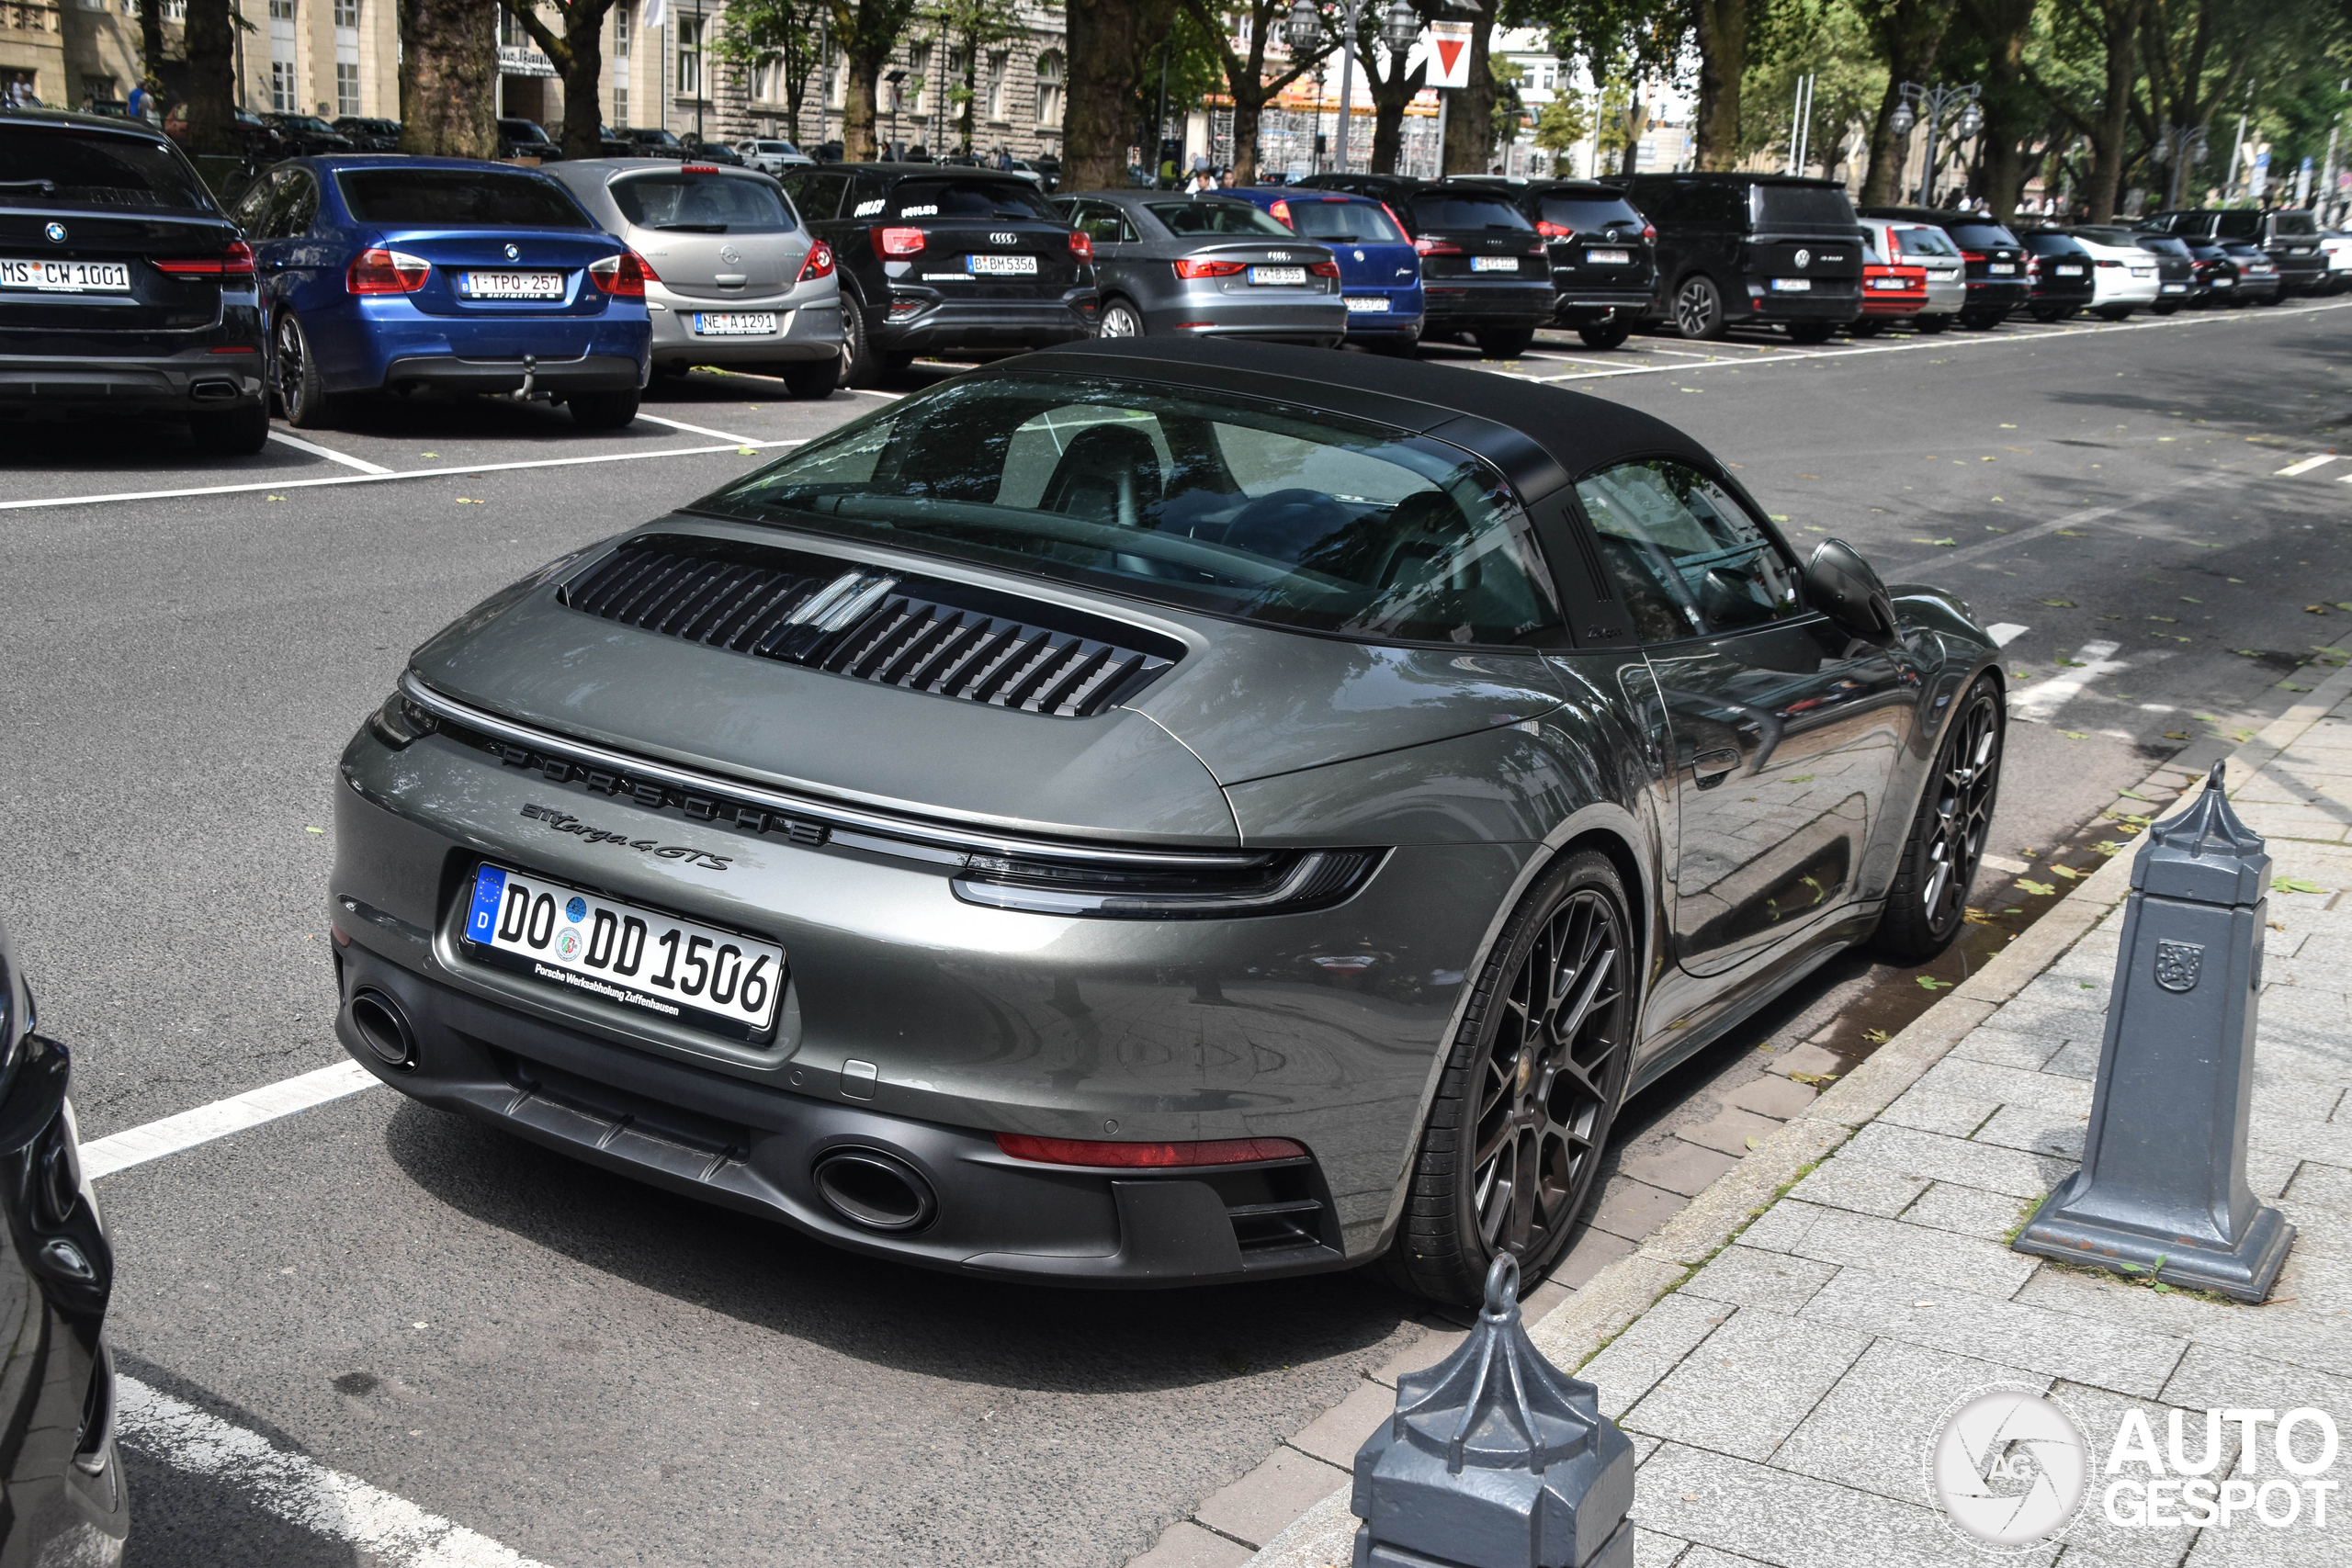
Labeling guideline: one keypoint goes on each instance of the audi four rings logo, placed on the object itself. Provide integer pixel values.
(515, 253)
(1005, 238)
(1805, 259)
(56, 232)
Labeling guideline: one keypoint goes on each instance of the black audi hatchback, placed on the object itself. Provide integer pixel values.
(1775, 249)
(123, 286)
(1485, 271)
(1997, 280)
(945, 261)
(1604, 260)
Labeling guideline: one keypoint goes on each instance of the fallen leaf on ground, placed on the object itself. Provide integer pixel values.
(2039, 890)
(2176, 734)
(2294, 884)
(2067, 871)
(2315, 609)
(2074, 734)
(1929, 983)
(2060, 604)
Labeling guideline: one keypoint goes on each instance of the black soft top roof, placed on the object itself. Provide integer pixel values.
(1577, 432)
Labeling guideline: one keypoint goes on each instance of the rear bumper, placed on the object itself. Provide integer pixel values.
(938, 326)
(804, 329)
(181, 383)
(1454, 306)
(2301, 273)
(1320, 319)
(1840, 304)
(451, 373)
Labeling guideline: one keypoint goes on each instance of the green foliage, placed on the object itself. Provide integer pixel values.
(1563, 123)
(1828, 40)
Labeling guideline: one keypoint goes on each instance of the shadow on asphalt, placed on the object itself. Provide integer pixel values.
(938, 1325)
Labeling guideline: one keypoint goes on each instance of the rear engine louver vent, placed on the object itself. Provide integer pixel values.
(921, 634)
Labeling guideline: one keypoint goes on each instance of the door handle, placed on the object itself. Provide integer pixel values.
(1712, 767)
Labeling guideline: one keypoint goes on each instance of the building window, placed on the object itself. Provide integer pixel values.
(347, 88)
(690, 57)
(510, 31)
(346, 13)
(621, 108)
(281, 10)
(918, 67)
(98, 89)
(999, 77)
(1051, 79)
(620, 33)
(282, 97)
(767, 80)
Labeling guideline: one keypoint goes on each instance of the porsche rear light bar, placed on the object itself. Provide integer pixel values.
(1146, 1156)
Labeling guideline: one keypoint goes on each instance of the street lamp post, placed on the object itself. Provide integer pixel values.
(1398, 28)
(2181, 150)
(1929, 105)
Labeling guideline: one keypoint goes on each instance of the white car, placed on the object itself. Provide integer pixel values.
(2338, 249)
(2125, 277)
(771, 157)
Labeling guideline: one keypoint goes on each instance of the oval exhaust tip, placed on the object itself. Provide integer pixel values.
(380, 1022)
(874, 1191)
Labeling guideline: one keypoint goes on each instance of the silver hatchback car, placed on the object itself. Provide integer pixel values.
(732, 276)
(1924, 245)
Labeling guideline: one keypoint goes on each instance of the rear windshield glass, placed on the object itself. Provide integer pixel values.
(1013, 200)
(1587, 216)
(1808, 207)
(2051, 244)
(2162, 244)
(1235, 506)
(1185, 218)
(464, 199)
(1438, 211)
(703, 204)
(41, 167)
(1924, 242)
(2299, 223)
(521, 130)
(1981, 236)
(1344, 222)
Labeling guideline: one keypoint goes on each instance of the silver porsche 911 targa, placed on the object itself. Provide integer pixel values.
(1151, 813)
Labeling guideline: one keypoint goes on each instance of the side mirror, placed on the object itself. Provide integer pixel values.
(1840, 584)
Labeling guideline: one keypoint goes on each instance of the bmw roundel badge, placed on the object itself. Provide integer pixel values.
(56, 232)
(514, 252)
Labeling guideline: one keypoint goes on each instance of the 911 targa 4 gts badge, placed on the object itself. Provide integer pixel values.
(564, 822)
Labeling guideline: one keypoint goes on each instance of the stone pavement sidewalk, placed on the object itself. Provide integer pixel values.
(1783, 1352)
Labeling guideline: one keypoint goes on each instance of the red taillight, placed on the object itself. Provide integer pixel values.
(1429, 247)
(898, 241)
(1971, 255)
(1082, 245)
(1082, 1151)
(1281, 210)
(820, 263)
(623, 276)
(698, 169)
(2033, 267)
(1649, 231)
(382, 271)
(2109, 261)
(1552, 231)
(237, 348)
(237, 261)
(1324, 268)
(1190, 268)
(1393, 219)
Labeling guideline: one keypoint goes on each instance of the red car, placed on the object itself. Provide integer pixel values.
(1890, 292)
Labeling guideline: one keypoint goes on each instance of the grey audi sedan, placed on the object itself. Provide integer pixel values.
(1146, 813)
(732, 277)
(1173, 266)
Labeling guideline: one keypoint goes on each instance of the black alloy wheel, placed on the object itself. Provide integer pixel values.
(300, 393)
(1926, 907)
(1699, 308)
(1512, 1152)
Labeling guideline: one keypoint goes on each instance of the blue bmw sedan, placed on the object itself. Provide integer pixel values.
(413, 275)
(1380, 272)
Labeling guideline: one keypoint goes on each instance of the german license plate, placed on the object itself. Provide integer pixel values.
(603, 949)
(1793, 285)
(734, 323)
(2000, 269)
(1608, 258)
(1494, 264)
(1001, 267)
(2070, 272)
(1359, 305)
(65, 276)
(2225, 282)
(2176, 288)
(1277, 275)
(515, 284)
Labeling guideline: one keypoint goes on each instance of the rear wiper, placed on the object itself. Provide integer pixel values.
(46, 188)
(693, 228)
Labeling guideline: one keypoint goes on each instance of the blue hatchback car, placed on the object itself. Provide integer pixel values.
(403, 275)
(1379, 270)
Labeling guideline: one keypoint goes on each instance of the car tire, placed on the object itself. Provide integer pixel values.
(1981, 323)
(2115, 312)
(2277, 298)
(2046, 314)
(1931, 324)
(1869, 326)
(861, 365)
(1699, 308)
(812, 378)
(230, 433)
(2165, 307)
(1120, 318)
(1395, 347)
(1811, 332)
(1535, 1100)
(1929, 902)
(898, 359)
(1609, 334)
(1503, 343)
(603, 410)
(294, 374)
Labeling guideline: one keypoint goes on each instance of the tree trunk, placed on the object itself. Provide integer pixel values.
(150, 40)
(971, 91)
(578, 55)
(1909, 33)
(1470, 117)
(2115, 113)
(1389, 101)
(1636, 121)
(1111, 45)
(1246, 118)
(1722, 64)
(859, 143)
(450, 79)
(2012, 110)
(211, 44)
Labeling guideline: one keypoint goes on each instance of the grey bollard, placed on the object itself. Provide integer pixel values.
(1495, 1458)
(2163, 1184)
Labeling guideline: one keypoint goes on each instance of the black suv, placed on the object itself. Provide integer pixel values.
(652, 142)
(526, 139)
(939, 261)
(307, 136)
(1483, 270)
(1770, 249)
(371, 135)
(123, 286)
(1997, 282)
(1604, 258)
(2290, 238)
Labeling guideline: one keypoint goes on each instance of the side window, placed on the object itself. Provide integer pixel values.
(819, 197)
(1098, 222)
(867, 197)
(253, 208)
(292, 216)
(1688, 561)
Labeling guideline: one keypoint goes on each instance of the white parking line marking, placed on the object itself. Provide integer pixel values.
(695, 429)
(2039, 703)
(2306, 467)
(331, 454)
(136, 1146)
(386, 1530)
(870, 393)
(2004, 633)
(468, 470)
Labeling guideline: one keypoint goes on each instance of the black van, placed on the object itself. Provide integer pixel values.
(2291, 237)
(1998, 283)
(1772, 249)
(1484, 269)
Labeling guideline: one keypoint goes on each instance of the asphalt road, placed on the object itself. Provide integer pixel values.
(593, 1372)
